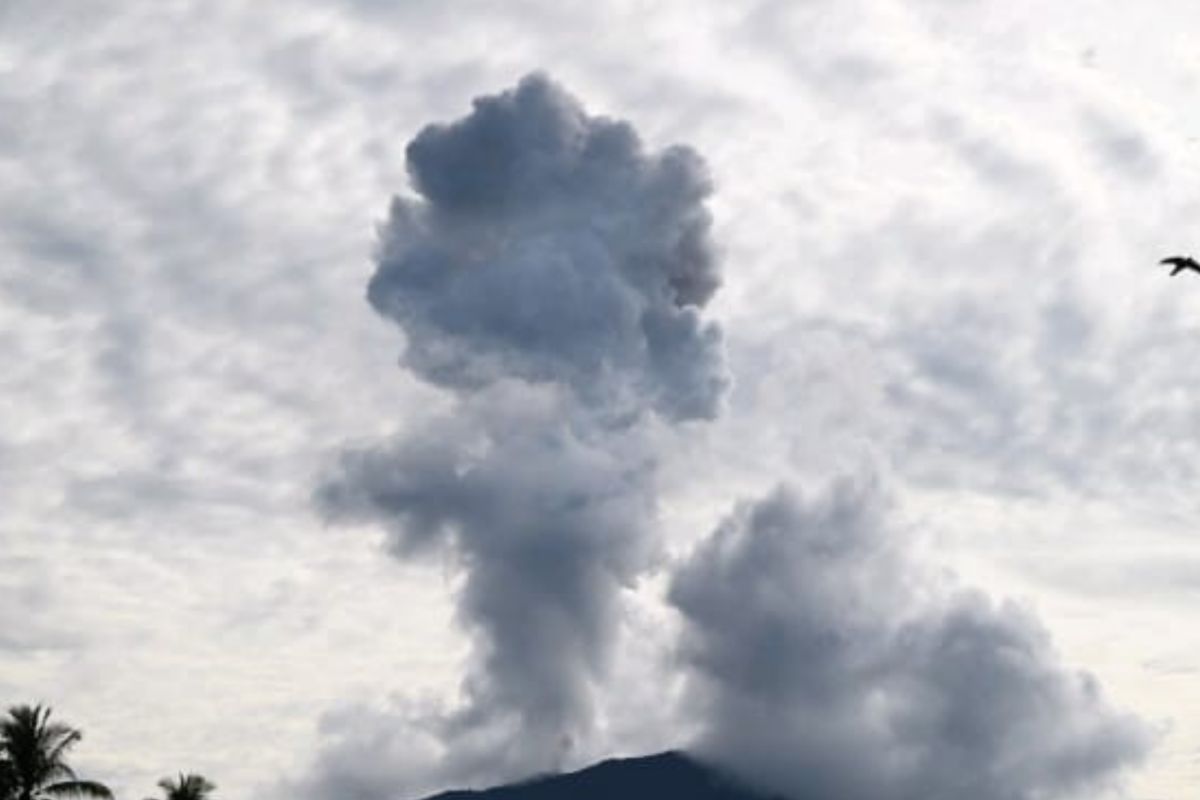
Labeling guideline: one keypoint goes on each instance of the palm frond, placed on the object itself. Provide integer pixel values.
(189, 786)
(54, 769)
(33, 753)
(61, 738)
(76, 788)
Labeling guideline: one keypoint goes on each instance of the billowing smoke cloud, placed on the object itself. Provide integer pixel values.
(550, 248)
(828, 665)
(550, 276)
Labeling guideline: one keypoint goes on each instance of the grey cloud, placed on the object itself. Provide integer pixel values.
(1120, 145)
(548, 527)
(993, 367)
(829, 665)
(1035, 398)
(369, 754)
(549, 247)
(28, 626)
(551, 277)
(996, 163)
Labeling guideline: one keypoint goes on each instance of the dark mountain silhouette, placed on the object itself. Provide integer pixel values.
(666, 776)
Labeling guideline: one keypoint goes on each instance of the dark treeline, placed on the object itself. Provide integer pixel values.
(33, 763)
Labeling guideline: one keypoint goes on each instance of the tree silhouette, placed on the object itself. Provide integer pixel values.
(186, 787)
(33, 754)
(7, 780)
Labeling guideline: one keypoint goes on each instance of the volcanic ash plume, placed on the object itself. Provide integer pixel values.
(828, 665)
(550, 276)
(551, 250)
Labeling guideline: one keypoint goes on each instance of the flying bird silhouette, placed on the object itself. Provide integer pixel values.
(1180, 263)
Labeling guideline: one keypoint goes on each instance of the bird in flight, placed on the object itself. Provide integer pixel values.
(1180, 263)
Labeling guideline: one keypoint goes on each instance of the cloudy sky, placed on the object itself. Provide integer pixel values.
(869, 407)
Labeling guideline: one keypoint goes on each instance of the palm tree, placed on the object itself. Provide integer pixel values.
(7, 782)
(186, 787)
(33, 754)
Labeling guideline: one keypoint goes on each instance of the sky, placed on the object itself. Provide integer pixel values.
(797, 361)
